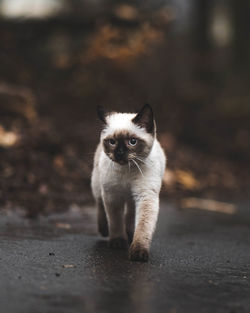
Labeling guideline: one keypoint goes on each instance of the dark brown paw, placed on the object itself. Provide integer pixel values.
(118, 243)
(138, 254)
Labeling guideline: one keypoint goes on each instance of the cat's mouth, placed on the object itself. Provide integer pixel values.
(121, 162)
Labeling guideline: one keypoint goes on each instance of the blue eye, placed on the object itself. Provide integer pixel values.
(132, 142)
(112, 142)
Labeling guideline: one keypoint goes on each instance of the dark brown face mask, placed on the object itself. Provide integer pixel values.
(117, 148)
(121, 152)
(123, 146)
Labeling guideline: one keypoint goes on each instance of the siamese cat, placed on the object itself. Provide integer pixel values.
(129, 164)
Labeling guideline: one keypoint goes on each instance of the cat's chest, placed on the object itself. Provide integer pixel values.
(121, 180)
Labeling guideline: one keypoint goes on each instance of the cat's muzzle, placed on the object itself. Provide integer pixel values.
(121, 157)
(121, 161)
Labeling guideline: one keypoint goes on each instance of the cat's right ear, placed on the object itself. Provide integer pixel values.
(145, 118)
(101, 112)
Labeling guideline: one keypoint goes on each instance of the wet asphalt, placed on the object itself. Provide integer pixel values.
(200, 262)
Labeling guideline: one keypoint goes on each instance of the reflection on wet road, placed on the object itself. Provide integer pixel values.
(58, 264)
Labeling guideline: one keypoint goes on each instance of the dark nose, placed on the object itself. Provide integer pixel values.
(120, 153)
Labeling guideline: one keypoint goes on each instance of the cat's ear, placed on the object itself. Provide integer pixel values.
(101, 112)
(145, 118)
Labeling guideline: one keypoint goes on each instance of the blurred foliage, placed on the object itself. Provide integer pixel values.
(54, 71)
(120, 46)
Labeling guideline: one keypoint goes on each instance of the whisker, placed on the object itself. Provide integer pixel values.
(129, 166)
(141, 160)
(137, 166)
(142, 157)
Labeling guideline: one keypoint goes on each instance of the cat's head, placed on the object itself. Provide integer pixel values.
(127, 136)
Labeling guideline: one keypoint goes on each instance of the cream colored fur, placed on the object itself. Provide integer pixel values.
(122, 186)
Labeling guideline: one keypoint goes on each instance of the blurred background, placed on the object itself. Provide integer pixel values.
(60, 58)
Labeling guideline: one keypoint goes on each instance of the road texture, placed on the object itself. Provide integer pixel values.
(200, 262)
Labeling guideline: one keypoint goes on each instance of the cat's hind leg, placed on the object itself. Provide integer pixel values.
(102, 219)
(102, 222)
(130, 219)
(114, 207)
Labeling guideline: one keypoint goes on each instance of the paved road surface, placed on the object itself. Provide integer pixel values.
(200, 262)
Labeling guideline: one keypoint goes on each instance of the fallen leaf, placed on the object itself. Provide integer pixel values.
(208, 205)
(69, 266)
(7, 138)
(63, 225)
(186, 179)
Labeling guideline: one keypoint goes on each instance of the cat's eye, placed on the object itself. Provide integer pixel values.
(132, 142)
(112, 142)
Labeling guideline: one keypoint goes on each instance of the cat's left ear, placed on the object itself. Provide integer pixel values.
(145, 118)
(101, 112)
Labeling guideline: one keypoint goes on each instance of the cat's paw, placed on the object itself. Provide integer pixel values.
(118, 243)
(138, 253)
(103, 229)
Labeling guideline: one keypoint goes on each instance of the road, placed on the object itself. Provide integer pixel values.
(200, 262)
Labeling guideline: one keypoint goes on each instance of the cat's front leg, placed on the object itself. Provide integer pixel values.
(130, 218)
(147, 208)
(114, 208)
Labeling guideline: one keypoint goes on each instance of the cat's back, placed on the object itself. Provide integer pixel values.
(95, 177)
(158, 156)
(97, 155)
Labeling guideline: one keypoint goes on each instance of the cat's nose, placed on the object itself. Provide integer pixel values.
(120, 153)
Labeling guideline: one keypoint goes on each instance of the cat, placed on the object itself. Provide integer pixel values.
(129, 164)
